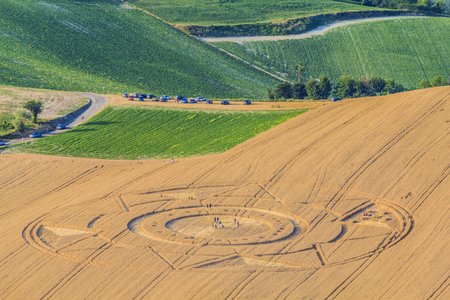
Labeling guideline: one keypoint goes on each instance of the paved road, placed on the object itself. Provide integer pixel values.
(321, 30)
(97, 103)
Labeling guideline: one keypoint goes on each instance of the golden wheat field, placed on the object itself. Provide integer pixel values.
(350, 200)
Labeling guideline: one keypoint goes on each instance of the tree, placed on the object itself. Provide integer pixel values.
(35, 108)
(313, 89)
(438, 81)
(299, 91)
(376, 85)
(362, 87)
(299, 70)
(283, 91)
(325, 87)
(346, 86)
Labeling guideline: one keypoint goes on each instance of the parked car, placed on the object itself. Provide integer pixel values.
(2, 143)
(131, 98)
(201, 99)
(125, 95)
(60, 126)
(209, 102)
(335, 99)
(193, 101)
(179, 98)
(225, 102)
(151, 96)
(165, 98)
(35, 135)
(247, 102)
(184, 100)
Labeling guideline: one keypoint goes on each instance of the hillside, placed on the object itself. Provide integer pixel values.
(103, 47)
(347, 201)
(220, 12)
(255, 17)
(407, 50)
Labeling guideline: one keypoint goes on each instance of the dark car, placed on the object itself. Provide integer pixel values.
(179, 98)
(209, 102)
(193, 101)
(125, 95)
(225, 102)
(184, 100)
(201, 99)
(2, 143)
(60, 126)
(247, 102)
(335, 99)
(151, 96)
(35, 135)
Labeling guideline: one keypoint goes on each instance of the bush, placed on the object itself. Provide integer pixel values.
(391, 87)
(313, 89)
(346, 87)
(325, 87)
(439, 81)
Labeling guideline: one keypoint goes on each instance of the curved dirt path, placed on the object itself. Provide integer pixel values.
(321, 30)
(97, 103)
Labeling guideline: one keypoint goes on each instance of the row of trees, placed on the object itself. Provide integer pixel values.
(435, 81)
(345, 87)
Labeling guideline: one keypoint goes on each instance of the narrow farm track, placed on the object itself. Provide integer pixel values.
(321, 30)
(347, 201)
(96, 104)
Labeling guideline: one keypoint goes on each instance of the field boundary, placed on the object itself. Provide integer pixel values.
(289, 26)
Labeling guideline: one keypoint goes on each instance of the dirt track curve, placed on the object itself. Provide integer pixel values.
(96, 104)
(348, 201)
(321, 30)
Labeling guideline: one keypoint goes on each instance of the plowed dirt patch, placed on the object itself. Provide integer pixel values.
(353, 197)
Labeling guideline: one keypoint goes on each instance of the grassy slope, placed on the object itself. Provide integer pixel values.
(133, 133)
(407, 50)
(208, 12)
(98, 46)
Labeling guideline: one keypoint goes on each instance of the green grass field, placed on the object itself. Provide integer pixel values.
(103, 47)
(407, 50)
(138, 133)
(219, 12)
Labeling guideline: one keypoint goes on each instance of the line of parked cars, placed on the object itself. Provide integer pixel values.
(178, 99)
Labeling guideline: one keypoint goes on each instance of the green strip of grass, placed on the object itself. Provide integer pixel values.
(139, 133)
(213, 12)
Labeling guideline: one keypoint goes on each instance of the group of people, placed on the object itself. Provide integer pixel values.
(217, 223)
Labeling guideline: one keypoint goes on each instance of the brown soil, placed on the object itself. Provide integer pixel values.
(349, 201)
